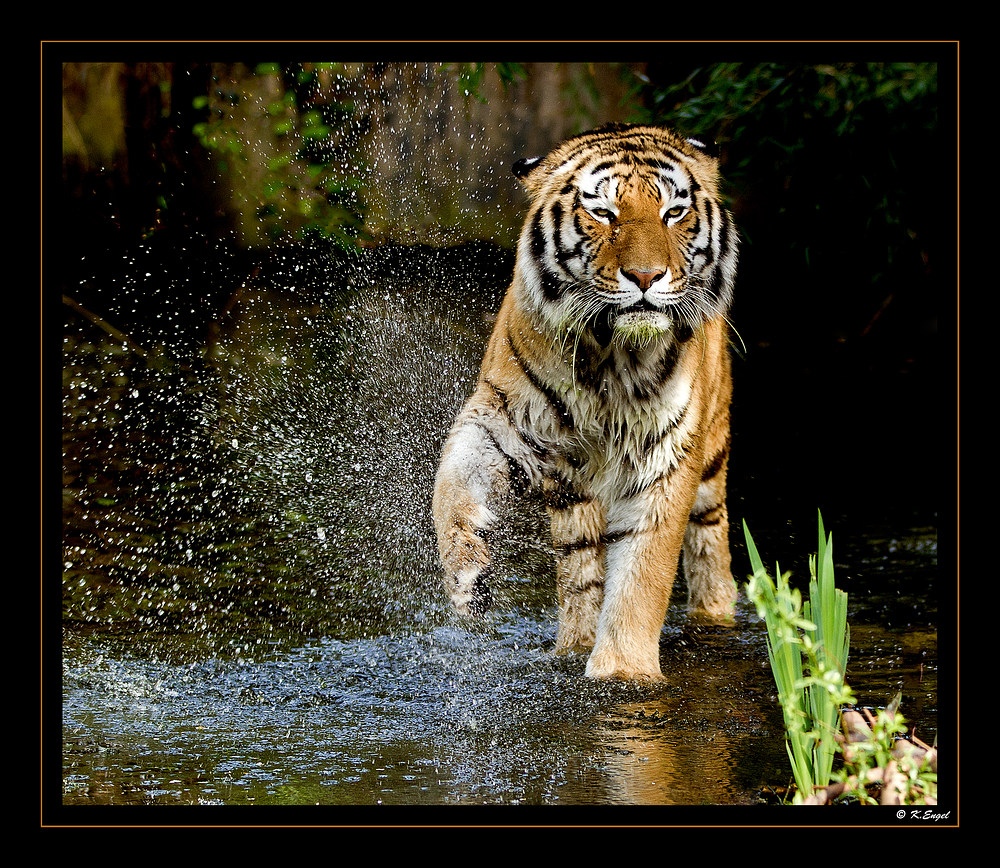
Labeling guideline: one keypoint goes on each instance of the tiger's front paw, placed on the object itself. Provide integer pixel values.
(466, 561)
(618, 661)
(470, 594)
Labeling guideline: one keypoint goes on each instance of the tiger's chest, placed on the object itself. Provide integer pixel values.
(620, 425)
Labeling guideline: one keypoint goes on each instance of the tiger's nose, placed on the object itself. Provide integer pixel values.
(643, 279)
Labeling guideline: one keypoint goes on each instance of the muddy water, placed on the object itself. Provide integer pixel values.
(253, 616)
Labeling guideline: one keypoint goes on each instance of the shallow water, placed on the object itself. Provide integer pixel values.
(445, 717)
(421, 718)
(253, 614)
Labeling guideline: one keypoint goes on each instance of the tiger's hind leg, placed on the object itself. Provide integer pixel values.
(577, 536)
(706, 559)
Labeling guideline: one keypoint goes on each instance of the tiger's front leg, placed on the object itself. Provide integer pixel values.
(645, 534)
(473, 478)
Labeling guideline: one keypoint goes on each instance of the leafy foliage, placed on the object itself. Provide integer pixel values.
(807, 644)
(303, 186)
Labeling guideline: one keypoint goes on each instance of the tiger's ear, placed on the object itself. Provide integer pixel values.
(525, 171)
(522, 168)
(707, 143)
(707, 146)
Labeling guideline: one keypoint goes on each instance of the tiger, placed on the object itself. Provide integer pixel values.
(605, 388)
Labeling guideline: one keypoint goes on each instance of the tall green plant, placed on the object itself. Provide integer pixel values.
(827, 608)
(807, 644)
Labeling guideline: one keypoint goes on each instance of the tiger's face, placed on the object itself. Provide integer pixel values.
(624, 237)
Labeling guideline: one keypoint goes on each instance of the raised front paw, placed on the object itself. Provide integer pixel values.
(466, 561)
(470, 594)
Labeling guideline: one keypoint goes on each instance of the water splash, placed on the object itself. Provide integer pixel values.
(339, 431)
(284, 480)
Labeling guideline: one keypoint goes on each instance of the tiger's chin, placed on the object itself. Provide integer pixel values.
(636, 329)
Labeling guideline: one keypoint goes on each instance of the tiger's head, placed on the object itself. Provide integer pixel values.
(625, 236)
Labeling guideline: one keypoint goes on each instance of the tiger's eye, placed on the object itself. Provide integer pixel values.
(604, 214)
(675, 212)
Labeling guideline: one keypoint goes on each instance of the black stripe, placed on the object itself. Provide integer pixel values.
(563, 498)
(717, 249)
(516, 475)
(565, 417)
(602, 330)
(604, 165)
(552, 286)
(555, 212)
(482, 596)
(564, 550)
(655, 438)
(564, 252)
(576, 590)
(537, 237)
(694, 230)
(709, 517)
(609, 539)
(636, 489)
(679, 166)
(725, 235)
(708, 212)
(592, 373)
(614, 138)
(723, 228)
(715, 465)
(658, 163)
(649, 389)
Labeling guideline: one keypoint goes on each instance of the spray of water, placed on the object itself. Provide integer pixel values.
(340, 431)
(265, 463)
